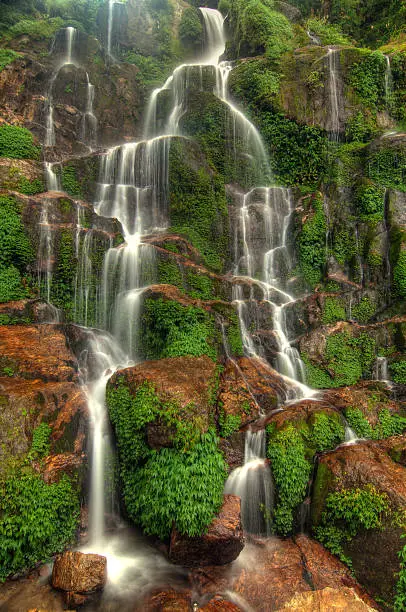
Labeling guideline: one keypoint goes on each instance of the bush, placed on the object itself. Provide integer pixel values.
(191, 29)
(36, 520)
(328, 33)
(368, 80)
(398, 371)
(358, 422)
(291, 472)
(17, 143)
(346, 513)
(333, 311)
(312, 244)
(370, 200)
(364, 310)
(327, 432)
(399, 275)
(40, 446)
(7, 56)
(37, 29)
(11, 287)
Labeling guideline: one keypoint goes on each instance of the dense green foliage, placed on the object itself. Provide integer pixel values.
(328, 33)
(17, 142)
(389, 424)
(346, 513)
(16, 253)
(172, 330)
(364, 310)
(312, 244)
(398, 371)
(370, 201)
(198, 208)
(229, 423)
(399, 275)
(182, 484)
(400, 599)
(70, 183)
(185, 488)
(40, 445)
(7, 56)
(36, 520)
(368, 79)
(333, 311)
(347, 359)
(191, 29)
(290, 450)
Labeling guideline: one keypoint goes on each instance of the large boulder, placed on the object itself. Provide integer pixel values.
(222, 543)
(77, 573)
(327, 599)
(270, 573)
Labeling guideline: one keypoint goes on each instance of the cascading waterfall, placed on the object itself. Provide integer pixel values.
(381, 371)
(67, 58)
(388, 85)
(254, 485)
(89, 119)
(334, 91)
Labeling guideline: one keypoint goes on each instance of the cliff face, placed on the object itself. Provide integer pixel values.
(240, 234)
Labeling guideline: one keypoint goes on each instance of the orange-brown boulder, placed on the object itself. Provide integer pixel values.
(328, 599)
(76, 572)
(222, 543)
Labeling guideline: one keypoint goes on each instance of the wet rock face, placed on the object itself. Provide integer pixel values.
(328, 599)
(222, 543)
(270, 573)
(79, 575)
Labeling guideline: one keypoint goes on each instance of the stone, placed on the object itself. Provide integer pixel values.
(270, 573)
(343, 599)
(79, 573)
(222, 543)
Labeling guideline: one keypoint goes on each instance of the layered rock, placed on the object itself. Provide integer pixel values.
(220, 545)
(78, 575)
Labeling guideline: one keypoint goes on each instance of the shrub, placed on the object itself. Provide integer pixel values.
(399, 275)
(368, 79)
(7, 56)
(229, 423)
(328, 33)
(364, 310)
(333, 311)
(327, 432)
(191, 29)
(400, 598)
(36, 520)
(37, 29)
(291, 472)
(398, 371)
(346, 513)
(312, 244)
(11, 287)
(358, 422)
(40, 446)
(370, 200)
(17, 143)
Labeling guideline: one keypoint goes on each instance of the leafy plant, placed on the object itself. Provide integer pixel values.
(7, 56)
(312, 241)
(358, 422)
(40, 445)
(398, 371)
(400, 598)
(36, 520)
(364, 310)
(327, 431)
(229, 423)
(291, 471)
(329, 34)
(17, 143)
(333, 311)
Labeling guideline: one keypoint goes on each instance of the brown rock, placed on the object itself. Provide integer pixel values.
(222, 543)
(270, 573)
(186, 382)
(64, 463)
(37, 351)
(219, 604)
(167, 600)
(343, 599)
(79, 573)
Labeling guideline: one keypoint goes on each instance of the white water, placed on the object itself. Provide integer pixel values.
(381, 371)
(52, 180)
(89, 119)
(334, 91)
(253, 483)
(388, 85)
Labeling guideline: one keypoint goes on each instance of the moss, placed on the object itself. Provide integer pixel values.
(387, 166)
(322, 484)
(7, 56)
(198, 207)
(399, 275)
(37, 29)
(171, 330)
(17, 143)
(199, 285)
(312, 250)
(333, 311)
(70, 182)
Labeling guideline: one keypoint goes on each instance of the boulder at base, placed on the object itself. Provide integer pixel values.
(342, 599)
(76, 572)
(222, 543)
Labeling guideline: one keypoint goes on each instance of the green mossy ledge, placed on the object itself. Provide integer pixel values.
(157, 484)
(291, 450)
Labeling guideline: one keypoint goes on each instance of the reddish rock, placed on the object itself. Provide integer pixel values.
(264, 383)
(341, 600)
(76, 572)
(219, 604)
(167, 600)
(326, 570)
(270, 573)
(233, 450)
(64, 463)
(234, 395)
(222, 543)
(186, 382)
(37, 351)
(300, 411)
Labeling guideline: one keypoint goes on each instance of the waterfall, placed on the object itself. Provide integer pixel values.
(381, 372)
(253, 484)
(335, 95)
(67, 58)
(388, 85)
(89, 119)
(52, 180)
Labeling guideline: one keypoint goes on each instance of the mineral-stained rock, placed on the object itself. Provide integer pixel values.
(37, 351)
(167, 600)
(343, 599)
(64, 463)
(186, 382)
(270, 573)
(222, 543)
(76, 572)
(356, 466)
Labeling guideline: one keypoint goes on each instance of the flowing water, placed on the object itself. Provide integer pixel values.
(133, 187)
(334, 93)
(381, 371)
(388, 85)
